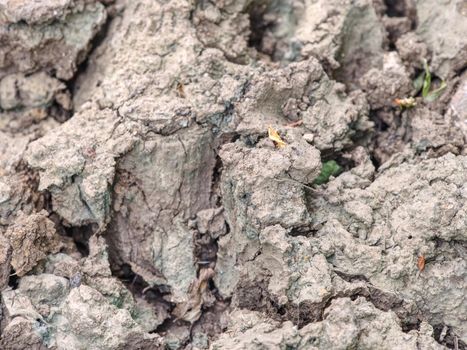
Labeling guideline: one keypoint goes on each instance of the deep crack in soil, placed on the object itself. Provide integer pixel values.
(145, 204)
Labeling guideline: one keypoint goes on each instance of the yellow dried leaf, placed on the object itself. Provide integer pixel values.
(408, 102)
(274, 136)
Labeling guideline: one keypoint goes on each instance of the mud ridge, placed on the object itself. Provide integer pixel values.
(192, 175)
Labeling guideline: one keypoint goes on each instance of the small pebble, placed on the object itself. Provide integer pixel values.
(309, 138)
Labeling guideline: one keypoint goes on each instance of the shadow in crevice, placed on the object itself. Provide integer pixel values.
(445, 336)
(13, 280)
(73, 85)
(81, 236)
(139, 288)
(396, 8)
(272, 26)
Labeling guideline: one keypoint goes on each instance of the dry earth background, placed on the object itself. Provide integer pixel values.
(142, 205)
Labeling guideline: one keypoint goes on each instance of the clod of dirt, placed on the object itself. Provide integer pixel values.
(431, 131)
(396, 27)
(386, 83)
(189, 212)
(412, 50)
(442, 27)
(33, 12)
(22, 333)
(35, 90)
(84, 304)
(261, 187)
(345, 34)
(382, 229)
(225, 26)
(418, 130)
(347, 324)
(161, 155)
(78, 173)
(211, 222)
(18, 193)
(302, 91)
(66, 312)
(52, 36)
(32, 238)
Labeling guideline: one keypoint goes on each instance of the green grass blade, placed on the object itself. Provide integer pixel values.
(418, 82)
(427, 80)
(435, 94)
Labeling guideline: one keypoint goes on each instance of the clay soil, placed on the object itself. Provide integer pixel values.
(233, 174)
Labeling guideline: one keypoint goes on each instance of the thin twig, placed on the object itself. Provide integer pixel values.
(298, 183)
(294, 124)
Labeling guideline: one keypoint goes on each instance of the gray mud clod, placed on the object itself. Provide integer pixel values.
(251, 174)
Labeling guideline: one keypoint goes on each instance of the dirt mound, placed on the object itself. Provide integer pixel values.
(236, 174)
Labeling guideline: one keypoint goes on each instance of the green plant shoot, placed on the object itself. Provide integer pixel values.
(423, 82)
(426, 80)
(329, 168)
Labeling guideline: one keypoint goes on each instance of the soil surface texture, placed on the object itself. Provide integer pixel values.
(233, 174)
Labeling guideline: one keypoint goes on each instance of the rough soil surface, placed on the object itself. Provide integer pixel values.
(143, 205)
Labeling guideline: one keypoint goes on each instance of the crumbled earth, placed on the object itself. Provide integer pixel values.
(143, 205)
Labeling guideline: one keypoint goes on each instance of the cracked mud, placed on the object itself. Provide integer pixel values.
(143, 205)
